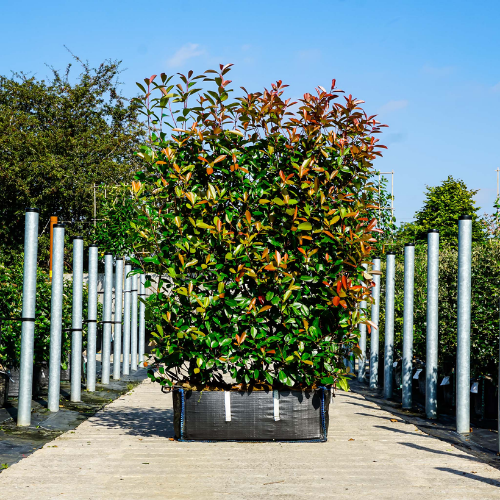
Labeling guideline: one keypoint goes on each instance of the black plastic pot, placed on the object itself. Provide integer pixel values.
(490, 399)
(4, 388)
(203, 416)
(14, 383)
(41, 379)
(66, 374)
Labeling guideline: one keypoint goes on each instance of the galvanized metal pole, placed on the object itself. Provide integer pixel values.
(117, 345)
(498, 390)
(28, 313)
(92, 319)
(463, 320)
(107, 314)
(362, 341)
(431, 354)
(56, 304)
(126, 322)
(408, 324)
(142, 320)
(374, 336)
(133, 324)
(77, 323)
(389, 323)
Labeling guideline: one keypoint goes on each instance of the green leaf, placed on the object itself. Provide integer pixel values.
(305, 226)
(343, 383)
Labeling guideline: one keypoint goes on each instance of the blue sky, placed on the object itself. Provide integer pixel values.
(429, 69)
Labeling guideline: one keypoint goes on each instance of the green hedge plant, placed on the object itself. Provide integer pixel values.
(11, 303)
(485, 289)
(254, 210)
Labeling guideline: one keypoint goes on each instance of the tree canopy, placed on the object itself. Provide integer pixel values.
(443, 205)
(60, 137)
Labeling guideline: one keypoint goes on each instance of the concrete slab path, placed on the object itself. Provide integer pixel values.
(124, 452)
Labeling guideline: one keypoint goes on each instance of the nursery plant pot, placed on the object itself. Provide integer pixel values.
(422, 383)
(40, 379)
(14, 383)
(66, 374)
(284, 415)
(490, 399)
(4, 388)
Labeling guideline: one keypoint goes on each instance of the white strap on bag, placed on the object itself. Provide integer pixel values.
(276, 398)
(227, 405)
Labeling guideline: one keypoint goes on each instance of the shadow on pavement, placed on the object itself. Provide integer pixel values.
(143, 422)
(468, 475)
(438, 452)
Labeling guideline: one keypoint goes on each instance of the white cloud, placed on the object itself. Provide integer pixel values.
(438, 71)
(391, 106)
(186, 52)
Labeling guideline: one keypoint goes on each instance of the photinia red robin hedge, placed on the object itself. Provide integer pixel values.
(254, 211)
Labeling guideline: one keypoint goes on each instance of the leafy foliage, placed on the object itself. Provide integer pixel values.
(484, 313)
(11, 285)
(443, 205)
(257, 218)
(381, 199)
(59, 137)
(117, 211)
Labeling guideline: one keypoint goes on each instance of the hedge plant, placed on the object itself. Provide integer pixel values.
(484, 310)
(253, 210)
(11, 298)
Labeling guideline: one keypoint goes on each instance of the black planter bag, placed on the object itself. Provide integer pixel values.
(251, 416)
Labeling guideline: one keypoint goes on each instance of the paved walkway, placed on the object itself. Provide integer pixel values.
(124, 452)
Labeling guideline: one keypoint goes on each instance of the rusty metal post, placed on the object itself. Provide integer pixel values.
(53, 220)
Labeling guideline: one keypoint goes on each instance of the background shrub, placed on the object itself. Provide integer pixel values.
(484, 313)
(11, 286)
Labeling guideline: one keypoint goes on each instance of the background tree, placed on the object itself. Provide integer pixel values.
(58, 138)
(442, 207)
